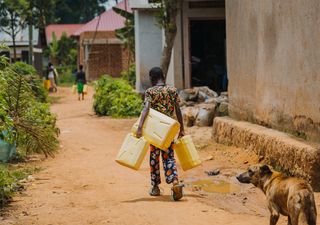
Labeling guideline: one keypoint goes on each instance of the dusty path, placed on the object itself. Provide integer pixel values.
(83, 184)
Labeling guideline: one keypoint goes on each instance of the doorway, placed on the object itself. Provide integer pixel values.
(208, 54)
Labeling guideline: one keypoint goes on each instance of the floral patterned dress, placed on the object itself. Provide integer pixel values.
(162, 99)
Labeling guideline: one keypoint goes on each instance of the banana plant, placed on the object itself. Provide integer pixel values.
(126, 33)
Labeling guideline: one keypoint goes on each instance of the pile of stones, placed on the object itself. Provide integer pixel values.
(200, 105)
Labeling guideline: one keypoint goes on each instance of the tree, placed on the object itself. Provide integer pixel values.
(167, 17)
(63, 51)
(36, 13)
(78, 11)
(53, 49)
(126, 33)
(10, 20)
(43, 12)
(66, 46)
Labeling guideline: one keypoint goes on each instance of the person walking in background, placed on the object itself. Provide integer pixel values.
(80, 82)
(165, 99)
(51, 77)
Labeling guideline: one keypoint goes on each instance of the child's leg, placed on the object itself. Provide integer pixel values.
(169, 165)
(154, 166)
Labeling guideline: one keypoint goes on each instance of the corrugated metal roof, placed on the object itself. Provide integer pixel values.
(109, 21)
(22, 37)
(58, 29)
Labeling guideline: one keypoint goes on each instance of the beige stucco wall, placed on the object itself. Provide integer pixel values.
(273, 52)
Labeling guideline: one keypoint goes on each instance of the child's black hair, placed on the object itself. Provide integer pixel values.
(81, 67)
(156, 74)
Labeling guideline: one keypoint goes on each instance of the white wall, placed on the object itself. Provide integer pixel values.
(148, 37)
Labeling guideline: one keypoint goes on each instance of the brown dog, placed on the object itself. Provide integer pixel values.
(288, 196)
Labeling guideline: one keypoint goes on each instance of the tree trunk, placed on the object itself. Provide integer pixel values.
(31, 34)
(30, 44)
(14, 48)
(13, 35)
(167, 52)
(170, 31)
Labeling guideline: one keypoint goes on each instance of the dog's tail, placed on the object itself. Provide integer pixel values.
(308, 213)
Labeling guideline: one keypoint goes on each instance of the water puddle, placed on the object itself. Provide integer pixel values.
(214, 186)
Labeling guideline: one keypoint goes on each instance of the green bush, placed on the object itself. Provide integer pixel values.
(32, 78)
(27, 120)
(66, 78)
(116, 98)
(41, 135)
(7, 186)
(130, 75)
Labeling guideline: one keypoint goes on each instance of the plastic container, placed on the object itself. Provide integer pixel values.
(187, 153)
(85, 89)
(47, 84)
(158, 129)
(132, 152)
(74, 89)
(6, 151)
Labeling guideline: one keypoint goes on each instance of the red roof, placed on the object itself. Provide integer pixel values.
(109, 21)
(58, 29)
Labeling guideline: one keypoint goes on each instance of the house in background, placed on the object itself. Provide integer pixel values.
(22, 47)
(99, 51)
(269, 48)
(59, 29)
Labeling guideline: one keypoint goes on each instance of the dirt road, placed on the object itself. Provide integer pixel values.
(83, 184)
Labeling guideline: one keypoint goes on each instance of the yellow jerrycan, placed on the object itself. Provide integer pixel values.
(132, 152)
(85, 89)
(46, 84)
(74, 89)
(187, 153)
(158, 129)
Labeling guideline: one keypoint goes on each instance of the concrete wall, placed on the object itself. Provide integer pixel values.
(273, 63)
(148, 36)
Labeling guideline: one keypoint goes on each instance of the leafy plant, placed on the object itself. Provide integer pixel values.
(126, 33)
(66, 76)
(7, 186)
(53, 49)
(130, 75)
(38, 132)
(32, 78)
(67, 50)
(28, 122)
(115, 97)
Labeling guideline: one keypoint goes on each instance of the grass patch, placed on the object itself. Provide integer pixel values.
(9, 181)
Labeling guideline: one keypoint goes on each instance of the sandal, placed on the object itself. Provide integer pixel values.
(177, 192)
(154, 191)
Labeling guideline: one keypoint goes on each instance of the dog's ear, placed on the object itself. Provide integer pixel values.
(265, 169)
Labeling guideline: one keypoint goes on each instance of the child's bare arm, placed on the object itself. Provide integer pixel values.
(144, 114)
(180, 120)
